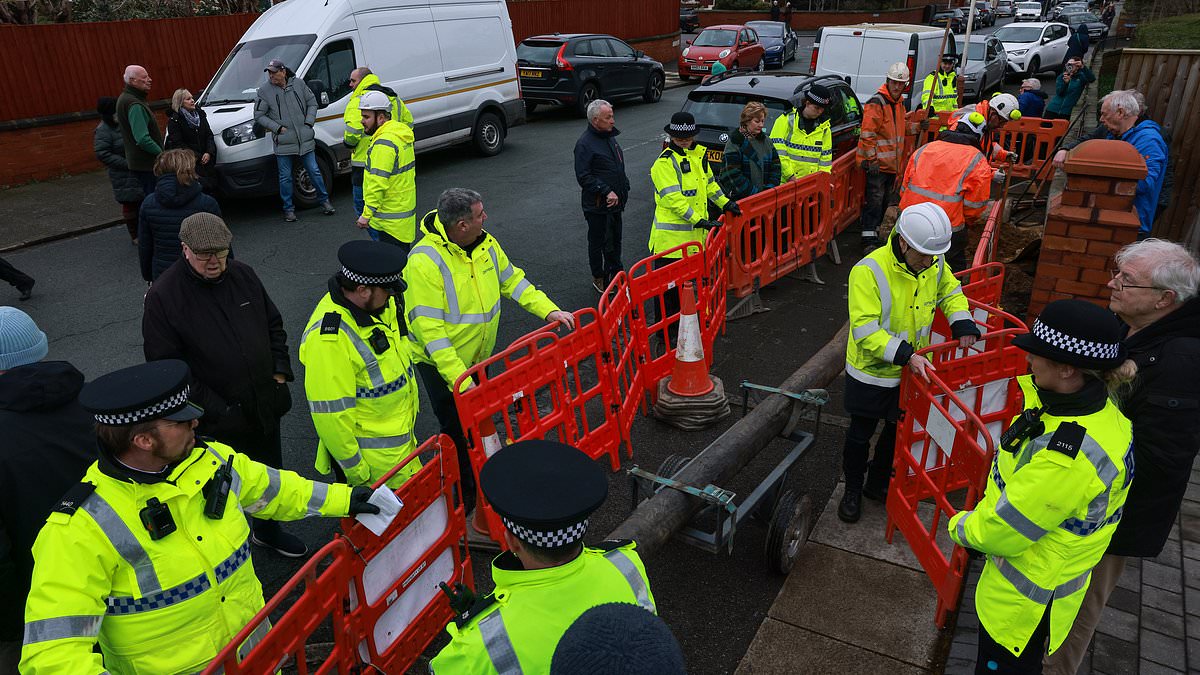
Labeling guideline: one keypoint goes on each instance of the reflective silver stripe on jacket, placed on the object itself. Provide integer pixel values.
(320, 495)
(268, 494)
(120, 605)
(374, 373)
(860, 332)
(1026, 587)
(674, 227)
(383, 442)
(348, 462)
(236, 483)
(630, 571)
(1018, 521)
(122, 539)
(669, 189)
(62, 628)
(332, 406)
(872, 379)
(452, 314)
(961, 529)
(499, 647)
(391, 215)
(438, 345)
(941, 196)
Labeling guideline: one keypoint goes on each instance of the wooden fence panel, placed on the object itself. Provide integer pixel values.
(1170, 81)
(626, 19)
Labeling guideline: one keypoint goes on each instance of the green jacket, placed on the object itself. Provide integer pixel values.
(516, 629)
(139, 130)
(156, 606)
(1048, 512)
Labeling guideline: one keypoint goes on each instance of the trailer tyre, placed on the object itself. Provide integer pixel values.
(789, 528)
(669, 467)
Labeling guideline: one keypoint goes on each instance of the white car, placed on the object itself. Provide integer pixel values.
(1028, 11)
(1034, 47)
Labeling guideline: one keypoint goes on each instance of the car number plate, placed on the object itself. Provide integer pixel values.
(531, 73)
(714, 155)
(700, 68)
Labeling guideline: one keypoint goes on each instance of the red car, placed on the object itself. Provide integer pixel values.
(736, 46)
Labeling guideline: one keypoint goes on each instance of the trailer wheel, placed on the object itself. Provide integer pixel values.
(788, 530)
(669, 467)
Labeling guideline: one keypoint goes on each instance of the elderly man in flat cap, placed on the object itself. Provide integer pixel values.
(543, 492)
(149, 555)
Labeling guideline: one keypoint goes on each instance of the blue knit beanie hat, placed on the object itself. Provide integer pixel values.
(618, 639)
(21, 341)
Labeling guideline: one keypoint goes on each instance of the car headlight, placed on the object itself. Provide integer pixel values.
(686, 50)
(723, 54)
(242, 133)
(776, 48)
(971, 78)
(1018, 52)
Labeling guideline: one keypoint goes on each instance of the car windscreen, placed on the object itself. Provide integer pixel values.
(723, 110)
(767, 28)
(975, 53)
(1081, 17)
(1012, 33)
(944, 15)
(538, 51)
(242, 73)
(716, 38)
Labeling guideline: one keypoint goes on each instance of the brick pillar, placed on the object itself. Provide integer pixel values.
(1087, 223)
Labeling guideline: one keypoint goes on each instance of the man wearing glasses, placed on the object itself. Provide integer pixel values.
(214, 314)
(1154, 289)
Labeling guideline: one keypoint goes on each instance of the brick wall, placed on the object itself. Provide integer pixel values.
(45, 153)
(1088, 223)
(810, 21)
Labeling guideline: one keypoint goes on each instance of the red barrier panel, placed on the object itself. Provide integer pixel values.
(849, 184)
(648, 287)
(982, 285)
(713, 295)
(377, 597)
(1032, 138)
(989, 239)
(945, 442)
(749, 236)
(618, 320)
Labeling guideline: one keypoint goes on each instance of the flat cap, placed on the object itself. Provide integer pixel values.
(205, 233)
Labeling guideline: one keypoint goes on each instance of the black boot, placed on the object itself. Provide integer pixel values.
(850, 508)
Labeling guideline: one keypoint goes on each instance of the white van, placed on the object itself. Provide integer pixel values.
(861, 54)
(453, 62)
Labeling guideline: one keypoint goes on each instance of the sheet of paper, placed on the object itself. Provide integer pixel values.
(389, 505)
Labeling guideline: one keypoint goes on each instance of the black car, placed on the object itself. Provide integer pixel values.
(956, 18)
(779, 40)
(689, 20)
(984, 16)
(717, 105)
(578, 68)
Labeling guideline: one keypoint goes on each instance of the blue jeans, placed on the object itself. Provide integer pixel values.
(285, 178)
(359, 200)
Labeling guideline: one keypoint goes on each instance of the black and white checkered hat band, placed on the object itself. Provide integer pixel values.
(169, 405)
(1074, 345)
(369, 280)
(816, 99)
(686, 128)
(567, 535)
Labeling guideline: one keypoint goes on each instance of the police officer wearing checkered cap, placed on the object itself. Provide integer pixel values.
(543, 492)
(359, 379)
(150, 554)
(1055, 490)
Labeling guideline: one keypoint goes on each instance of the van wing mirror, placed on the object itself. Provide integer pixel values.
(319, 90)
(637, 53)
(324, 99)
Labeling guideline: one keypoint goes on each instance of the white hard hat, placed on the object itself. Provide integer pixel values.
(1006, 106)
(899, 72)
(974, 123)
(925, 227)
(375, 100)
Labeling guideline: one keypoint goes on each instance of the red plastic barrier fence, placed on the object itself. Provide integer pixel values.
(989, 239)
(626, 354)
(713, 295)
(377, 597)
(649, 287)
(1032, 138)
(849, 182)
(945, 442)
(748, 235)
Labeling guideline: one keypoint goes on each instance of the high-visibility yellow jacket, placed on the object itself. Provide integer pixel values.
(361, 389)
(1046, 517)
(353, 133)
(390, 182)
(954, 176)
(453, 298)
(942, 89)
(891, 312)
(802, 152)
(516, 629)
(884, 124)
(683, 185)
(156, 606)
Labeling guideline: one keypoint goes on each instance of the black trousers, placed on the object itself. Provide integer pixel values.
(442, 401)
(875, 202)
(147, 179)
(994, 659)
(389, 239)
(855, 453)
(14, 276)
(266, 447)
(604, 244)
(957, 255)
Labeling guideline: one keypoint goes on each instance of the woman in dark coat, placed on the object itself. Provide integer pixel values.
(751, 163)
(187, 127)
(110, 150)
(177, 195)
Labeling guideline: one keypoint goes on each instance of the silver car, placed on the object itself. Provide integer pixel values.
(985, 68)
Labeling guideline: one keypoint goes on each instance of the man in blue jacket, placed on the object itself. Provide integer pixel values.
(600, 170)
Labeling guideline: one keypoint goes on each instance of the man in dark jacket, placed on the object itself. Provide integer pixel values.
(286, 107)
(48, 445)
(139, 128)
(1154, 292)
(214, 314)
(600, 170)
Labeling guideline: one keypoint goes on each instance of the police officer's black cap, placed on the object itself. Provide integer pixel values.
(950, 58)
(373, 263)
(682, 125)
(818, 94)
(158, 390)
(1077, 333)
(544, 491)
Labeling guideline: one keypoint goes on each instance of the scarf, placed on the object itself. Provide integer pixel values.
(192, 117)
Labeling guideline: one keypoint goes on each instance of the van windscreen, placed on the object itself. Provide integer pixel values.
(538, 51)
(242, 73)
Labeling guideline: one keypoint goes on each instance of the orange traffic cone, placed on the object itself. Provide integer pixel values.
(491, 444)
(689, 376)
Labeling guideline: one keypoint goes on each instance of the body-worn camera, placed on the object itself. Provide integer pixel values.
(156, 518)
(1027, 426)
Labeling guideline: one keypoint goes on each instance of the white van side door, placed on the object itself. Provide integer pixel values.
(401, 48)
(479, 59)
(881, 48)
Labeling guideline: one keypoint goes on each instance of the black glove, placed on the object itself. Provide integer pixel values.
(732, 207)
(358, 501)
(708, 224)
(871, 167)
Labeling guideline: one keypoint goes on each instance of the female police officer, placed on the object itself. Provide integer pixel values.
(1055, 491)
